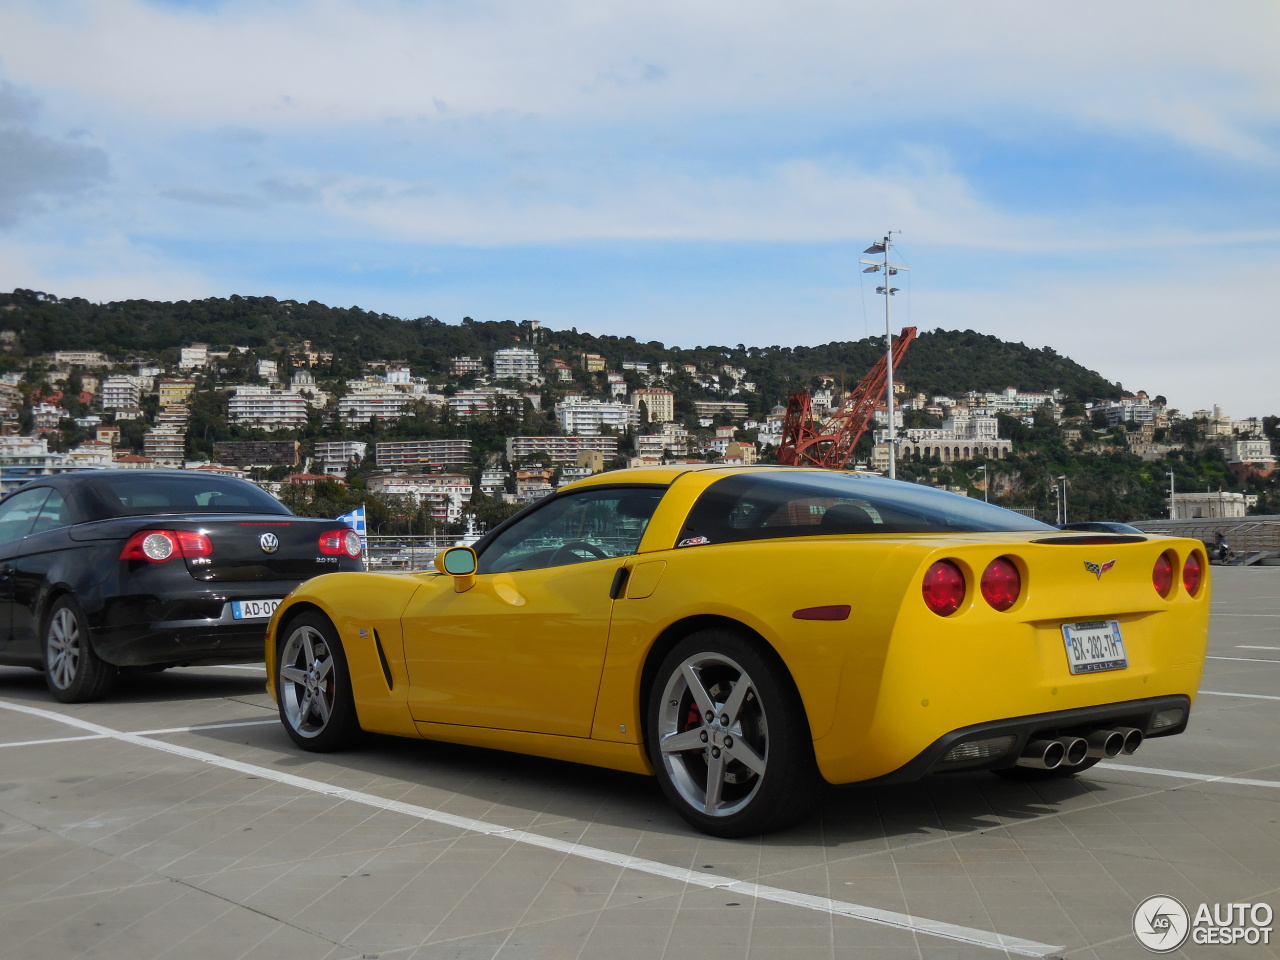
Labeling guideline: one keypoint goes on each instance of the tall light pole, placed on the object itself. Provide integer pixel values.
(1170, 494)
(883, 247)
(1063, 480)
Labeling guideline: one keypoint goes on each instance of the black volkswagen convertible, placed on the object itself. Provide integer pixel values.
(105, 569)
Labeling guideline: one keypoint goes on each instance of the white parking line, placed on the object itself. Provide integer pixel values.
(1247, 614)
(142, 733)
(1188, 775)
(1245, 659)
(1245, 646)
(1247, 696)
(888, 918)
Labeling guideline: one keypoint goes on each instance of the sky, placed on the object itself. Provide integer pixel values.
(1096, 177)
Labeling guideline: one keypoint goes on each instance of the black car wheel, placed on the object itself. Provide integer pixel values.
(313, 685)
(72, 670)
(728, 737)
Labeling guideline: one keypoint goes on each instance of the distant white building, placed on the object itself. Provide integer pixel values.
(446, 492)
(119, 393)
(80, 358)
(335, 456)
(660, 403)
(1208, 505)
(25, 458)
(462, 366)
(1013, 402)
(414, 453)
(971, 428)
(267, 407)
(560, 450)
(165, 446)
(196, 355)
(586, 417)
(1129, 409)
(516, 363)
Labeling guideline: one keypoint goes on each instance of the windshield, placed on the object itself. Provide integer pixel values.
(759, 506)
(146, 492)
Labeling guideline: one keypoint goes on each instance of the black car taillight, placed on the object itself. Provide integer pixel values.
(160, 546)
(334, 543)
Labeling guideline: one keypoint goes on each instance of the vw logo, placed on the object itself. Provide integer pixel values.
(269, 542)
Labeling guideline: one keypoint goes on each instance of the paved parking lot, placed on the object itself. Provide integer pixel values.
(177, 820)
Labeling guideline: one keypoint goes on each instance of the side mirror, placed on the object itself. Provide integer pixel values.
(461, 564)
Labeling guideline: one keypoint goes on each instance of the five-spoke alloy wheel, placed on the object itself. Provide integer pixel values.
(313, 685)
(72, 670)
(728, 738)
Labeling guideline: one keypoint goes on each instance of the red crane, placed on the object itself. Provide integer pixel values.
(829, 443)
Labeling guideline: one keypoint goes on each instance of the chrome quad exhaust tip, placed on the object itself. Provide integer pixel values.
(1052, 754)
(1105, 744)
(1132, 739)
(1073, 751)
(1042, 755)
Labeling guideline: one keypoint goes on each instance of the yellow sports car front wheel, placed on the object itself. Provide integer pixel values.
(314, 686)
(728, 738)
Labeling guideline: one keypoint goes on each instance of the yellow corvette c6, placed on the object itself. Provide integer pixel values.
(747, 633)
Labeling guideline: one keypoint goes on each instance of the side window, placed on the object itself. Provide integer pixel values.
(19, 512)
(760, 506)
(55, 513)
(590, 525)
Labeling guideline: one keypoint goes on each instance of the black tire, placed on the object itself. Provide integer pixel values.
(1032, 775)
(755, 771)
(73, 671)
(313, 685)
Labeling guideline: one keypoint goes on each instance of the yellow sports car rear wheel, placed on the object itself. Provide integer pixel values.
(728, 737)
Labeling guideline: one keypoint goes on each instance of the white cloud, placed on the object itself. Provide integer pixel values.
(105, 268)
(795, 201)
(1199, 339)
(1197, 74)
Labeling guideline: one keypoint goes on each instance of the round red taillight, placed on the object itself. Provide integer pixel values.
(1001, 583)
(1162, 575)
(943, 588)
(352, 544)
(1192, 574)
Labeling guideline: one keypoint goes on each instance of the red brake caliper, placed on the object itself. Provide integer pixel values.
(694, 719)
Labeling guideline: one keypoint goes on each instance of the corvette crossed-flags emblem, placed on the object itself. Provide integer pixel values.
(1099, 568)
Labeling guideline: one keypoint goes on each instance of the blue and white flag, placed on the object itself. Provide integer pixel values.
(355, 520)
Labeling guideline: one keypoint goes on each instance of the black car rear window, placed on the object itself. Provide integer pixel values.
(760, 506)
(149, 493)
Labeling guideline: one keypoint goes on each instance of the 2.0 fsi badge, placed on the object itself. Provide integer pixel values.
(1161, 924)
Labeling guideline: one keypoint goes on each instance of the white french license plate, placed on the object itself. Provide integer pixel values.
(1094, 646)
(253, 609)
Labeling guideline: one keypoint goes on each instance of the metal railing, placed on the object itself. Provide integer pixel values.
(1246, 535)
(404, 554)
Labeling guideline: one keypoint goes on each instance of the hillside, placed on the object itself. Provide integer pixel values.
(941, 361)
